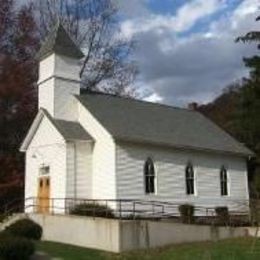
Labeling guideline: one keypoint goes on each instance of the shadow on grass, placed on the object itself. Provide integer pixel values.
(235, 249)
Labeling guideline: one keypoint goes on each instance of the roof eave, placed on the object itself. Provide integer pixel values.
(41, 114)
(250, 154)
(33, 128)
(80, 140)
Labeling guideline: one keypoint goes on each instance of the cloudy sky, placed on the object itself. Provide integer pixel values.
(185, 48)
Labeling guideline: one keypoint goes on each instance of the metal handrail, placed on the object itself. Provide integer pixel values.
(121, 208)
(124, 207)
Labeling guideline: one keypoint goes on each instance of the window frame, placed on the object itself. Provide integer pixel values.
(225, 181)
(148, 176)
(193, 179)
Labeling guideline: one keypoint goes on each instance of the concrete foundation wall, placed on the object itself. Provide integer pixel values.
(95, 233)
(119, 236)
(149, 234)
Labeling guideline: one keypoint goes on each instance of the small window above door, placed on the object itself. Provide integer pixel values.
(45, 170)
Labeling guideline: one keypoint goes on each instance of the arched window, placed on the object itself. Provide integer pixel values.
(189, 175)
(223, 181)
(149, 176)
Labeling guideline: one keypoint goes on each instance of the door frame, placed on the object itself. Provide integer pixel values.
(43, 194)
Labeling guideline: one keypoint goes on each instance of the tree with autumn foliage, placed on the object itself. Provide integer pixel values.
(250, 95)
(237, 110)
(250, 105)
(18, 73)
(94, 25)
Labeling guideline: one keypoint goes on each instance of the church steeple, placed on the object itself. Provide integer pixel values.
(59, 74)
(60, 42)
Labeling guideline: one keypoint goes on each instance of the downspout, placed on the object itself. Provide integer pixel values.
(75, 171)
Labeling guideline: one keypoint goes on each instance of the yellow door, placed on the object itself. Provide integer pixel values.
(43, 195)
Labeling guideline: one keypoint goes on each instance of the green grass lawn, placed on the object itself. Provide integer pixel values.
(236, 249)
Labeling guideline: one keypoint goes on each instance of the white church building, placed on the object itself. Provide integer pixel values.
(103, 147)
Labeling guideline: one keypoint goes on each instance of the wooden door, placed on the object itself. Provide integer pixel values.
(43, 205)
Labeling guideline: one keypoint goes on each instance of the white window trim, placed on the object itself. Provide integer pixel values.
(195, 182)
(155, 179)
(228, 183)
(195, 185)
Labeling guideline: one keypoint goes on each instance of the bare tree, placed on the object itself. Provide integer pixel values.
(94, 24)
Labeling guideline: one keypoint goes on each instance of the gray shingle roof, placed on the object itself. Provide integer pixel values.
(71, 130)
(60, 42)
(68, 129)
(139, 121)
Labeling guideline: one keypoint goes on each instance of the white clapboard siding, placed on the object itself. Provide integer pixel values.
(46, 95)
(58, 82)
(65, 105)
(79, 170)
(170, 176)
(67, 67)
(46, 68)
(103, 181)
(46, 148)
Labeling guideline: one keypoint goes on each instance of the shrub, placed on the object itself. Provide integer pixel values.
(15, 248)
(187, 213)
(2, 217)
(25, 228)
(93, 210)
(222, 214)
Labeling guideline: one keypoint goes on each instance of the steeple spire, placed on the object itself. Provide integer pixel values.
(60, 42)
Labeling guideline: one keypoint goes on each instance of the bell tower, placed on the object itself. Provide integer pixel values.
(59, 71)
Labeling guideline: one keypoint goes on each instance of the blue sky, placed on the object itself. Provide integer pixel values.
(171, 7)
(186, 50)
(165, 7)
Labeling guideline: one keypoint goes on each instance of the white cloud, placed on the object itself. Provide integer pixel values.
(247, 7)
(195, 68)
(184, 19)
(153, 98)
(240, 20)
(191, 12)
